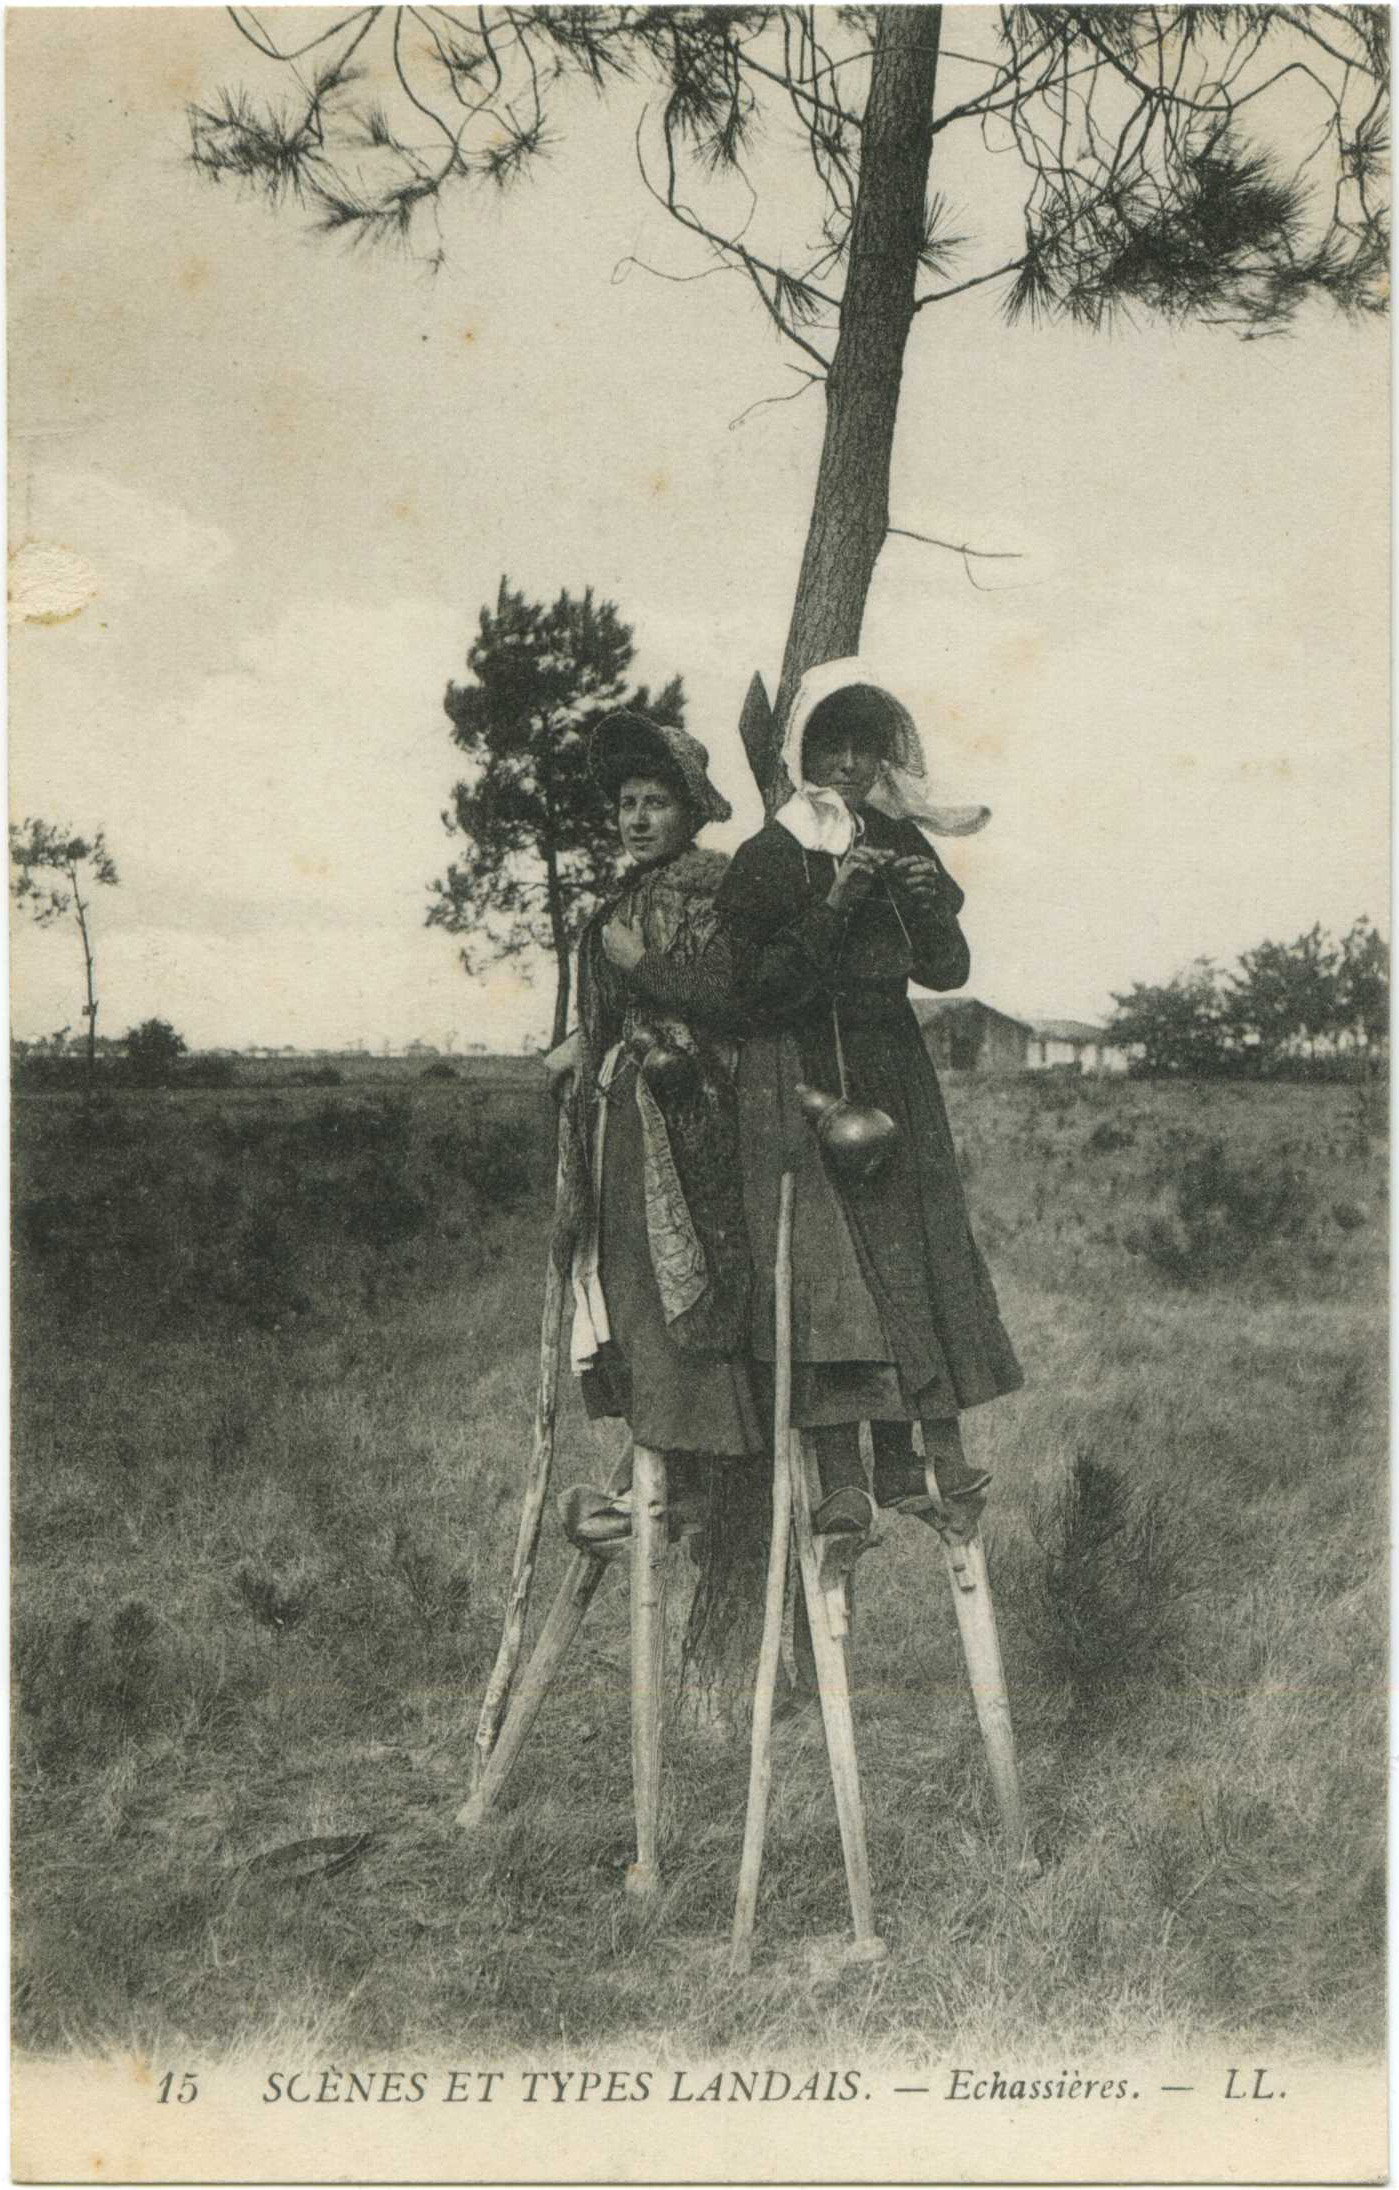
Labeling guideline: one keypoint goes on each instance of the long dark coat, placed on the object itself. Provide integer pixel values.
(894, 1312)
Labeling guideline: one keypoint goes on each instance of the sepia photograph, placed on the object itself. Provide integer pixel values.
(699, 902)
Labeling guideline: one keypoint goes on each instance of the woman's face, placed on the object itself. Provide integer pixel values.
(843, 759)
(655, 822)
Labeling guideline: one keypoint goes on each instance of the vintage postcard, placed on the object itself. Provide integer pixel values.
(698, 864)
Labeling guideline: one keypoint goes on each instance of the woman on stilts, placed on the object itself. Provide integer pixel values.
(655, 1226)
(829, 912)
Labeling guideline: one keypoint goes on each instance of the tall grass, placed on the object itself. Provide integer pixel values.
(274, 1372)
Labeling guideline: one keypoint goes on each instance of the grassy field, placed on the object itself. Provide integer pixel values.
(275, 1356)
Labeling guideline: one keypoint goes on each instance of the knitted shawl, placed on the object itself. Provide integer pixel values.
(693, 1175)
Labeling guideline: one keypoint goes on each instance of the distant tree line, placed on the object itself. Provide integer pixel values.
(1287, 1007)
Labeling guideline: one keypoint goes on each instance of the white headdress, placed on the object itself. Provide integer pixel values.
(819, 818)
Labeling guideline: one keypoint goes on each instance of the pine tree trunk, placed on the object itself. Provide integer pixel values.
(850, 515)
(849, 519)
(558, 929)
(721, 1645)
(90, 1010)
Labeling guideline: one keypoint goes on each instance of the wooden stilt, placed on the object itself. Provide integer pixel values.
(497, 1696)
(976, 1623)
(582, 1578)
(648, 1576)
(770, 1652)
(827, 1618)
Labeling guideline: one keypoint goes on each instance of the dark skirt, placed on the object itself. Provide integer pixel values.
(674, 1400)
(894, 1312)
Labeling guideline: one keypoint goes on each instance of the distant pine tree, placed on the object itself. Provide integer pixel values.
(539, 841)
(53, 873)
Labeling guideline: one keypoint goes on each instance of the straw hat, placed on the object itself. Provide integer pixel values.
(628, 744)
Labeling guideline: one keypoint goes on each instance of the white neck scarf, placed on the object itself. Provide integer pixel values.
(820, 820)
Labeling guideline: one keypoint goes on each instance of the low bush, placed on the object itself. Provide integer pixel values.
(380, 1127)
(439, 1588)
(379, 1208)
(502, 1154)
(1056, 1090)
(267, 1210)
(41, 1072)
(102, 1126)
(209, 1072)
(86, 1685)
(259, 1275)
(1110, 1590)
(1369, 1115)
(1224, 1213)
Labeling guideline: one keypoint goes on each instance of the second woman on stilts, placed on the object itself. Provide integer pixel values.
(829, 912)
(654, 1205)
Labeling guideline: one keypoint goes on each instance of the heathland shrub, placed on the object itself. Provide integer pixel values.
(1111, 1584)
(259, 1275)
(379, 1207)
(209, 1072)
(42, 1224)
(43, 1072)
(495, 1158)
(84, 1685)
(439, 1588)
(1369, 1115)
(271, 1601)
(1056, 1090)
(245, 1133)
(1224, 1213)
(381, 1127)
(260, 1209)
(502, 1152)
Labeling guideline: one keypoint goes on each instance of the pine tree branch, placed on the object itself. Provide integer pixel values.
(975, 281)
(730, 247)
(453, 138)
(1160, 207)
(1304, 21)
(962, 548)
(809, 380)
(260, 40)
(797, 91)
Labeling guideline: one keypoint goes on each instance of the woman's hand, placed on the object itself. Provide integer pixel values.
(623, 943)
(855, 877)
(919, 879)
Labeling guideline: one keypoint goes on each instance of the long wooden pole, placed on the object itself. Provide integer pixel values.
(497, 1696)
(981, 1646)
(833, 1681)
(648, 1579)
(582, 1578)
(770, 1652)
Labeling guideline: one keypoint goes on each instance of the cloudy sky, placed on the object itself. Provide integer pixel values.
(283, 478)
